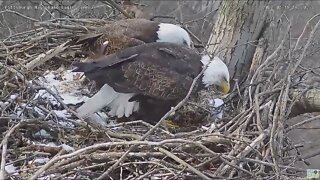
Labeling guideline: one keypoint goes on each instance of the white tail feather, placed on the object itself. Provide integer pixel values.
(121, 106)
(101, 99)
(113, 110)
(120, 110)
(129, 109)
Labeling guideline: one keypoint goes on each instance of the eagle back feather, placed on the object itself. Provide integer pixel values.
(119, 35)
(141, 29)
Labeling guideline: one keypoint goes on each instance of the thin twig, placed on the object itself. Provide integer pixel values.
(177, 159)
(19, 14)
(302, 123)
(304, 30)
(4, 145)
(47, 165)
(115, 5)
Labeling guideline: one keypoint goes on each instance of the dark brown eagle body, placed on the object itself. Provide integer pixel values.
(152, 109)
(157, 73)
(141, 29)
(158, 70)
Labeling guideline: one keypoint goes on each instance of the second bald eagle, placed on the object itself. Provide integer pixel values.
(155, 72)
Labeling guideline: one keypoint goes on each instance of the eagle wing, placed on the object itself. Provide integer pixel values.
(99, 44)
(160, 70)
(154, 80)
(141, 29)
(119, 35)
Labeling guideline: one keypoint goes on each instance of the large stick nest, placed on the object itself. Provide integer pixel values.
(250, 142)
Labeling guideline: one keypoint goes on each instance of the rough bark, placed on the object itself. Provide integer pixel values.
(238, 27)
(234, 38)
(306, 101)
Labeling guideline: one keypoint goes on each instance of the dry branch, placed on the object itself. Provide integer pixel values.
(307, 102)
(46, 166)
(112, 3)
(4, 145)
(189, 167)
(42, 58)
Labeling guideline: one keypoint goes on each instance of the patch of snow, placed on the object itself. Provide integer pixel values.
(45, 95)
(64, 114)
(51, 144)
(48, 177)
(155, 178)
(66, 124)
(14, 96)
(11, 169)
(67, 147)
(6, 103)
(40, 160)
(2, 104)
(99, 118)
(102, 115)
(213, 126)
(28, 107)
(66, 84)
(71, 99)
(205, 128)
(112, 123)
(216, 107)
(39, 111)
(19, 113)
(43, 133)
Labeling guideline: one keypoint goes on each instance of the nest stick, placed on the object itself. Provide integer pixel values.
(177, 159)
(115, 5)
(4, 144)
(47, 165)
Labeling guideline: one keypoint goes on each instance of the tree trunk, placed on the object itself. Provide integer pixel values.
(235, 34)
(234, 39)
(306, 101)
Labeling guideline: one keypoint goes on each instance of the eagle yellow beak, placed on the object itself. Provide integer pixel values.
(224, 87)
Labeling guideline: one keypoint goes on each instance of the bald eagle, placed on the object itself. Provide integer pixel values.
(121, 34)
(117, 36)
(154, 76)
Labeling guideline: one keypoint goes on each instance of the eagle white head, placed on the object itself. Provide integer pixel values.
(217, 74)
(173, 34)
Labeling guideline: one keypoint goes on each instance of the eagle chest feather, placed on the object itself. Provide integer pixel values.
(155, 80)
